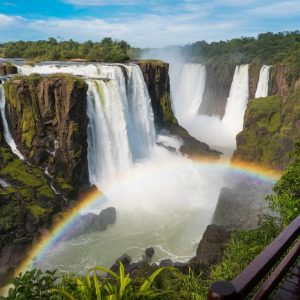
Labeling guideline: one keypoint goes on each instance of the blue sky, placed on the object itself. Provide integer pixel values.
(145, 23)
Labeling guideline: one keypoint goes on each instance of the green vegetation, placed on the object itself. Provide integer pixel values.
(29, 193)
(37, 285)
(107, 50)
(286, 199)
(270, 131)
(268, 48)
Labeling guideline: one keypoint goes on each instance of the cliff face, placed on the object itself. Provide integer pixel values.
(27, 206)
(156, 75)
(48, 121)
(271, 124)
(217, 88)
(6, 69)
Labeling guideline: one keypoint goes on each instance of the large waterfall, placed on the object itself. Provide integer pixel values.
(162, 199)
(7, 135)
(121, 122)
(187, 97)
(191, 87)
(237, 101)
(263, 82)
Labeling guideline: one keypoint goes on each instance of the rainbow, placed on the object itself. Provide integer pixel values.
(54, 236)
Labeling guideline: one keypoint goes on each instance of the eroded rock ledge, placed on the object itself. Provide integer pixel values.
(271, 124)
(48, 120)
(156, 75)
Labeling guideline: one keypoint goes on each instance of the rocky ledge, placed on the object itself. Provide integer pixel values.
(48, 120)
(156, 75)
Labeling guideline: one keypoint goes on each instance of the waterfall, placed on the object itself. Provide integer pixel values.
(237, 100)
(121, 122)
(108, 145)
(191, 87)
(7, 135)
(263, 82)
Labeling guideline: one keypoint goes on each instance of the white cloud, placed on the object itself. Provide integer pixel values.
(279, 9)
(6, 20)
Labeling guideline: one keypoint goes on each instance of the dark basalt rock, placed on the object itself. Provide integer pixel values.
(6, 69)
(156, 75)
(48, 121)
(217, 88)
(93, 223)
(125, 259)
(240, 205)
(166, 263)
(212, 244)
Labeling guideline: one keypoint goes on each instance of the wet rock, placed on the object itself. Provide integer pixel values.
(217, 88)
(48, 121)
(106, 217)
(166, 263)
(212, 244)
(156, 75)
(93, 223)
(125, 259)
(6, 69)
(149, 252)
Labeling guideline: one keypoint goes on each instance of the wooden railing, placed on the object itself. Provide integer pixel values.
(249, 278)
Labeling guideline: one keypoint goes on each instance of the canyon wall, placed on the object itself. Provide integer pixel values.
(217, 87)
(271, 124)
(156, 75)
(48, 120)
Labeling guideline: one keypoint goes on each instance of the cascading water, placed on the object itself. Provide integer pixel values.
(121, 122)
(263, 82)
(219, 134)
(191, 87)
(108, 146)
(237, 101)
(7, 135)
(162, 199)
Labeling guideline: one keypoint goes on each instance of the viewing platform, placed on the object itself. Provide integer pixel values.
(269, 275)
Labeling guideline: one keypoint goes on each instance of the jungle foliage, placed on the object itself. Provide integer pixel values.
(107, 50)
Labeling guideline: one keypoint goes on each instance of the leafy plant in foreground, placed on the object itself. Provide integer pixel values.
(117, 287)
(33, 285)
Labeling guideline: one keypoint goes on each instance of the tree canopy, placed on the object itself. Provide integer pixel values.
(268, 48)
(107, 50)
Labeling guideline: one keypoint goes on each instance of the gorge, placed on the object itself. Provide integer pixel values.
(111, 127)
(113, 146)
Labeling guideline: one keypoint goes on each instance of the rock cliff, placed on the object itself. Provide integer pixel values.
(217, 88)
(27, 206)
(156, 75)
(7, 68)
(271, 124)
(48, 120)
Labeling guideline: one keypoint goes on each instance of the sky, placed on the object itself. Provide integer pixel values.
(145, 23)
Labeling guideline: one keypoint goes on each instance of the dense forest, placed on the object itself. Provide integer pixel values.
(268, 48)
(107, 50)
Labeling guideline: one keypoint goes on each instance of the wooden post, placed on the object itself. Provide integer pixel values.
(222, 290)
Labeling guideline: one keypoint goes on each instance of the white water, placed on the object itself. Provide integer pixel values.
(121, 122)
(108, 151)
(237, 102)
(162, 199)
(190, 91)
(219, 134)
(7, 135)
(165, 201)
(263, 82)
